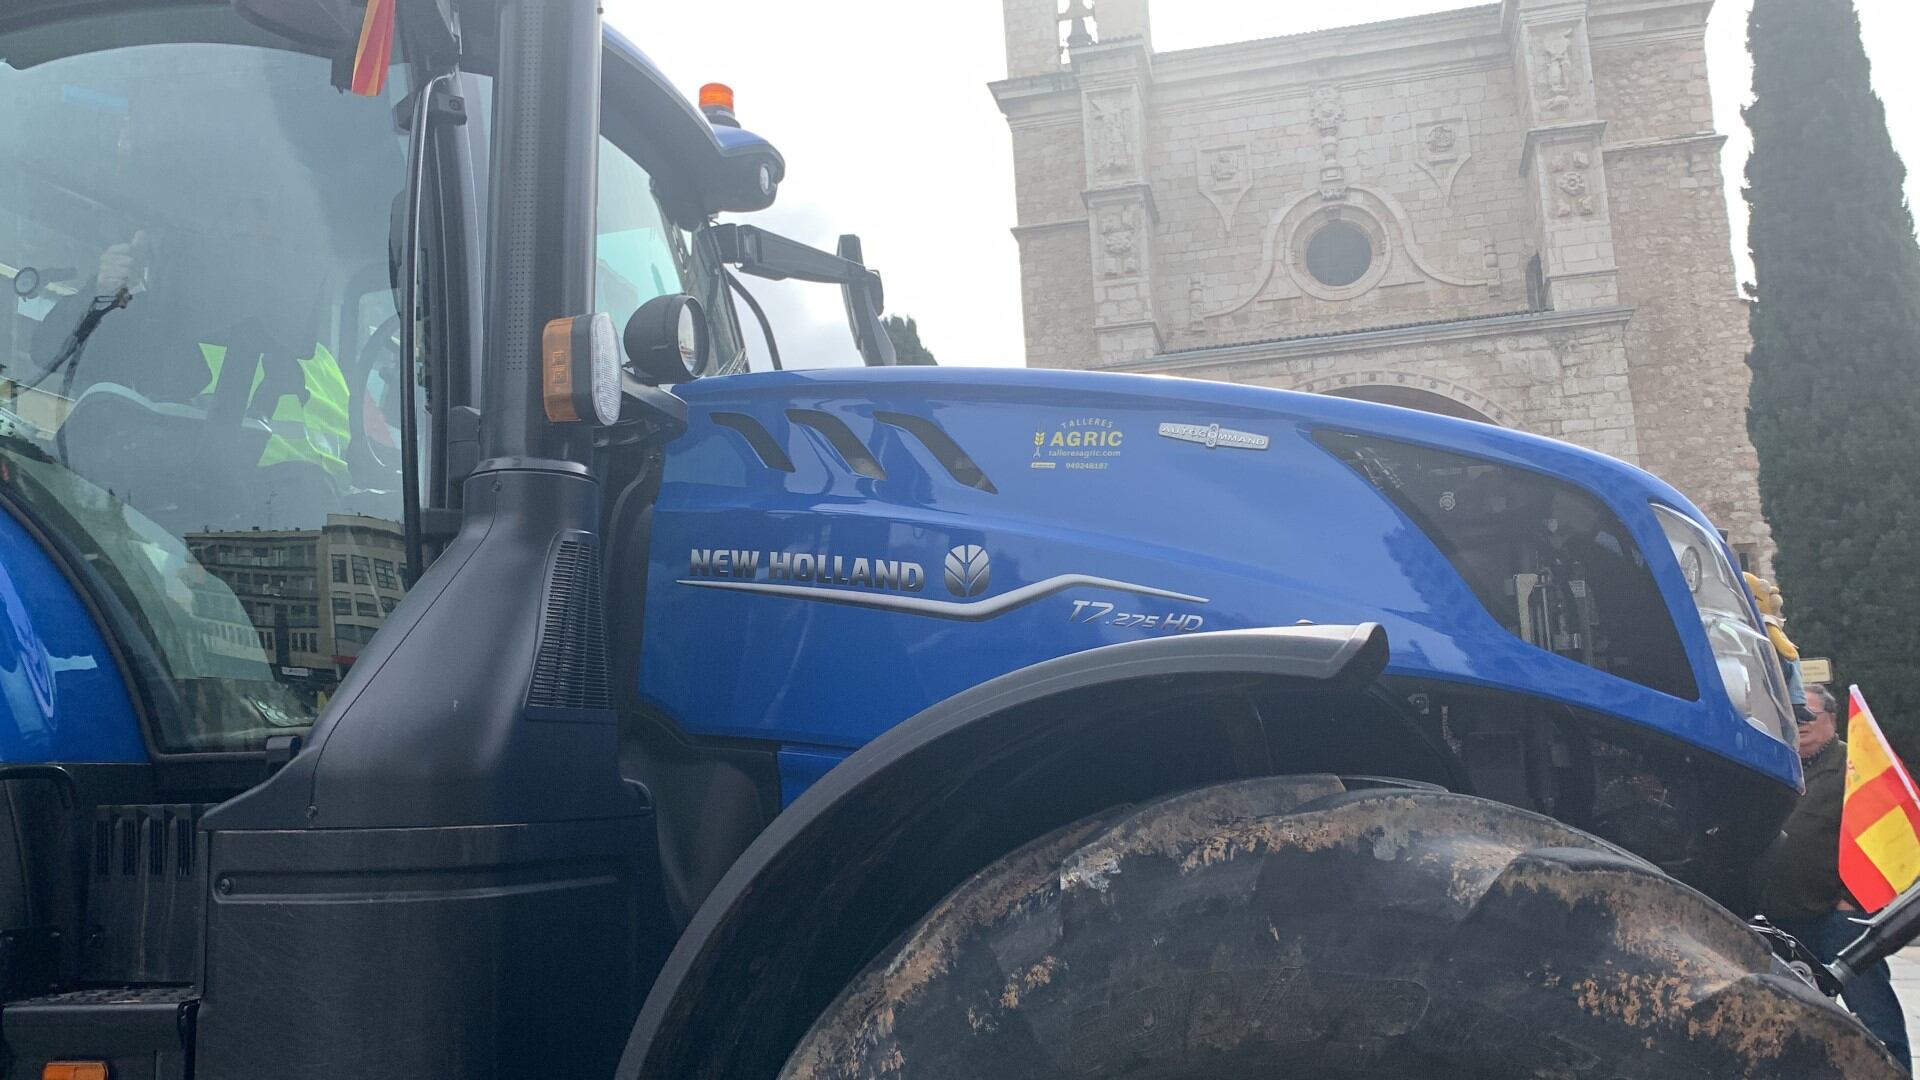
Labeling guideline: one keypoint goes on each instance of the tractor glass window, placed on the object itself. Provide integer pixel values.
(641, 255)
(1546, 559)
(636, 257)
(200, 394)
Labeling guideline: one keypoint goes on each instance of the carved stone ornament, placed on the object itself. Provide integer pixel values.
(1441, 149)
(1557, 84)
(1283, 276)
(1327, 111)
(1225, 178)
(1113, 139)
(1196, 300)
(1573, 193)
(1118, 249)
(1224, 165)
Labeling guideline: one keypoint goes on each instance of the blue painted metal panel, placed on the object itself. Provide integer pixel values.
(739, 140)
(801, 767)
(762, 585)
(729, 140)
(61, 695)
(626, 49)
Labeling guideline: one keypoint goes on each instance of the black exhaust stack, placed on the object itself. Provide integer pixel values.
(442, 883)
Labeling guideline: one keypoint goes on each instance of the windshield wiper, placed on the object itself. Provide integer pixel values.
(69, 355)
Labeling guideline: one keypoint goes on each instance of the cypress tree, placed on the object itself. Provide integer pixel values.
(906, 341)
(1835, 406)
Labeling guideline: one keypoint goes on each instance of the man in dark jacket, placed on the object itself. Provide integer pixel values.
(1800, 889)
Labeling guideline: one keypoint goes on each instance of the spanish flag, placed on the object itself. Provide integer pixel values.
(375, 52)
(1880, 820)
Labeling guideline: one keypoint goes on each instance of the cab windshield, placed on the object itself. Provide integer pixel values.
(199, 363)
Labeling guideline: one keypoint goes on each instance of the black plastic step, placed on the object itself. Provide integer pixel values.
(142, 1032)
(144, 895)
(113, 995)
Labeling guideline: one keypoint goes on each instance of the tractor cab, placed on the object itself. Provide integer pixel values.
(243, 315)
(204, 407)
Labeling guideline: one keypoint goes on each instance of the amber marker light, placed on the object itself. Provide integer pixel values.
(580, 370)
(716, 104)
(556, 354)
(74, 1070)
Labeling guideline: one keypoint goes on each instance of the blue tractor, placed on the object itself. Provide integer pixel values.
(428, 652)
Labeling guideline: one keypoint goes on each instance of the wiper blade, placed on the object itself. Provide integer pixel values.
(69, 355)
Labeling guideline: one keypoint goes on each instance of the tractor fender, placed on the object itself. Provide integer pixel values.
(871, 847)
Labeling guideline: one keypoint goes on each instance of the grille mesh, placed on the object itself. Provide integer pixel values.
(570, 668)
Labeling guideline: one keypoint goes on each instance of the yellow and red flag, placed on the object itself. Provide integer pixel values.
(1880, 820)
(375, 52)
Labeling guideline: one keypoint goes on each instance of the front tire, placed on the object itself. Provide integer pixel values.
(1289, 926)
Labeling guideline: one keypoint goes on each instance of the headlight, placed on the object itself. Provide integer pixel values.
(1749, 668)
(1690, 567)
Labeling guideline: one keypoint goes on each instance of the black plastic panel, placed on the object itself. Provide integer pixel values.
(430, 728)
(144, 888)
(503, 951)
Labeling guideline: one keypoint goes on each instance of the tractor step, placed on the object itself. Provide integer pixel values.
(141, 1032)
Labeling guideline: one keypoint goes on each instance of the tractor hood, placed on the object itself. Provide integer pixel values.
(919, 531)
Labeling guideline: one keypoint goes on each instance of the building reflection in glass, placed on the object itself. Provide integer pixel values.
(313, 597)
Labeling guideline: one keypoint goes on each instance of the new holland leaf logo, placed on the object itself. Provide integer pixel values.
(969, 571)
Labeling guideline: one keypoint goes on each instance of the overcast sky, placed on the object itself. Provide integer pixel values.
(882, 111)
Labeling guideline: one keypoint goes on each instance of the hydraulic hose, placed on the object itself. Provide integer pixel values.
(766, 327)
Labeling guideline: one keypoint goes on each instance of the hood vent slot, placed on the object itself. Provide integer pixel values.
(841, 438)
(758, 439)
(942, 447)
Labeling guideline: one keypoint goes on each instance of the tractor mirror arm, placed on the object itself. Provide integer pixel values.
(774, 257)
(1887, 932)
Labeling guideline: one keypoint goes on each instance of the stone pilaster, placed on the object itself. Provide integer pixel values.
(1115, 79)
(1561, 158)
(1689, 337)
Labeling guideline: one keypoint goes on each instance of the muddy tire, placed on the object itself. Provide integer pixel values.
(1289, 926)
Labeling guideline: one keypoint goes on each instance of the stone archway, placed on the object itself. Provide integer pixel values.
(1412, 397)
(1428, 393)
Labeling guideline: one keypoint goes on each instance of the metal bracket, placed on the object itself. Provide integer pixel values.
(1889, 931)
(1796, 956)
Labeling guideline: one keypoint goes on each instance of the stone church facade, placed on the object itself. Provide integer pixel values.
(1513, 213)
